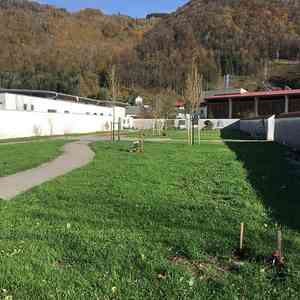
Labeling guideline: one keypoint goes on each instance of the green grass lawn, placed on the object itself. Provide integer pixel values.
(19, 157)
(204, 134)
(47, 138)
(161, 225)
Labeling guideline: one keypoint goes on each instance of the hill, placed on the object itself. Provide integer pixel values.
(237, 37)
(43, 47)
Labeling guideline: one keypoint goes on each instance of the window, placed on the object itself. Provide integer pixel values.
(88, 113)
(52, 111)
(95, 114)
(101, 114)
(67, 112)
(32, 107)
(25, 106)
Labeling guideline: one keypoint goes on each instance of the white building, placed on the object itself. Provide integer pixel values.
(42, 113)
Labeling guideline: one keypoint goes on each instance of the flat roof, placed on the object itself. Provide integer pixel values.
(255, 94)
(63, 97)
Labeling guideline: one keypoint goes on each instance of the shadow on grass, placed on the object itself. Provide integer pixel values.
(276, 180)
(235, 134)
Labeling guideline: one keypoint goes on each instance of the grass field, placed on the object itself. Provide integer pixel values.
(19, 157)
(55, 137)
(161, 225)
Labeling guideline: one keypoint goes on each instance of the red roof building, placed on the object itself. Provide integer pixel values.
(180, 103)
(253, 104)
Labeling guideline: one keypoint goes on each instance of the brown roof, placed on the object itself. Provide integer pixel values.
(256, 94)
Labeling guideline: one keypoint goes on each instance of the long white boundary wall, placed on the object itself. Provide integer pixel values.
(221, 123)
(287, 131)
(282, 129)
(19, 124)
(259, 128)
(181, 123)
(26, 116)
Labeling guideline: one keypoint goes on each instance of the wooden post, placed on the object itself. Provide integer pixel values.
(279, 241)
(111, 132)
(192, 131)
(114, 123)
(119, 129)
(159, 128)
(256, 99)
(230, 108)
(199, 132)
(153, 128)
(142, 142)
(242, 231)
(187, 125)
(286, 104)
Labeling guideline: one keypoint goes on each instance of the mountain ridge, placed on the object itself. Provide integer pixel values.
(44, 47)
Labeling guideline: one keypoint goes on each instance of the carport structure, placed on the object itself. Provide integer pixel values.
(253, 104)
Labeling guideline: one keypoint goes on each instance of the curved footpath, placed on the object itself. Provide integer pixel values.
(76, 155)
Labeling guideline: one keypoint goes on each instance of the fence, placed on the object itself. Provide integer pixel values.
(146, 124)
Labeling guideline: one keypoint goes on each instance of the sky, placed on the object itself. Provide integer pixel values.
(133, 8)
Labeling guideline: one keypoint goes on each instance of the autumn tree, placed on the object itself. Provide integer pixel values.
(114, 91)
(194, 90)
(194, 96)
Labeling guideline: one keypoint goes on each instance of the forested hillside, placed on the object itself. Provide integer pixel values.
(238, 37)
(43, 47)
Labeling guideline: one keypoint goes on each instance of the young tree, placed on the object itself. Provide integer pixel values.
(194, 95)
(114, 90)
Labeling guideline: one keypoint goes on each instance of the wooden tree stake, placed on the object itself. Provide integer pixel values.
(142, 142)
(111, 132)
(242, 231)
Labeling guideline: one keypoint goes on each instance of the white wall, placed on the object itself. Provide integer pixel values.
(259, 128)
(256, 128)
(128, 122)
(217, 123)
(287, 131)
(284, 131)
(2, 101)
(141, 124)
(16, 102)
(221, 123)
(271, 128)
(17, 123)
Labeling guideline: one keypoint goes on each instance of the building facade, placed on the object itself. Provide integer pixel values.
(39, 113)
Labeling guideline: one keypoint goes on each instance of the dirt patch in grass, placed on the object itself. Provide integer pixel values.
(204, 270)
